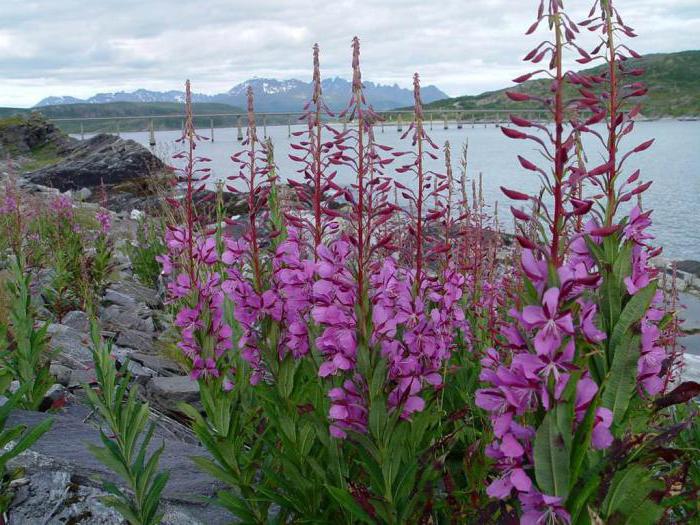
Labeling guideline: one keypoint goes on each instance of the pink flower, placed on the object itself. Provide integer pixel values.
(601, 437)
(105, 220)
(541, 509)
(588, 327)
(550, 323)
(638, 223)
(204, 368)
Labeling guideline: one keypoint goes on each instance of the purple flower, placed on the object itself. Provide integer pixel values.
(638, 222)
(105, 220)
(601, 437)
(204, 368)
(535, 269)
(205, 251)
(550, 323)
(588, 327)
(542, 367)
(541, 509)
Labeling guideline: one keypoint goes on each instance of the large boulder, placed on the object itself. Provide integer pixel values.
(102, 158)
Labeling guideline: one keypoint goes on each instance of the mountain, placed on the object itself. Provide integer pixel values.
(673, 80)
(124, 110)
(271, 95)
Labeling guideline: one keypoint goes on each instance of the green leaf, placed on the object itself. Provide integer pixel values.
(348, 503)
(622, 379)
(629, 494)
(635, 308)
(551, 458)
(582, 441)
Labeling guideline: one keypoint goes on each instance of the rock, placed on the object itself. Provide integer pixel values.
(139, 372)
(55, 497)
(79, 378)
(65, 480)
(100, 158)
(162, 365)
(71, 347)
(137, 341)
(692, 267)
(83, 194)
(118, 298)
(136, 215)
(55, 395)
(20, 135)
(167, 392)
(137, 291)
(77, 320)
(61, 373)
(116, 318)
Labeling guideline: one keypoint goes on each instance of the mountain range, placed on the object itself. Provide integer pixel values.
(271, 95)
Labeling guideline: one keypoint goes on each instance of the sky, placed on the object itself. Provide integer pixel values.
(82, 47)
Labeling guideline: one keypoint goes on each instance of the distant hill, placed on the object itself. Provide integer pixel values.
(673, 80)
(127, 109)
(271, 95)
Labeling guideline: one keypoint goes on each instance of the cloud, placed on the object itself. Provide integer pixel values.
(80, 47)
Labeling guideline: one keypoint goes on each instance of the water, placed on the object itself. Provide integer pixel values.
(672, 163)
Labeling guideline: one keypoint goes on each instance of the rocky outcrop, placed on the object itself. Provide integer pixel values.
(22, 135)
(62, 481)
(102, 158)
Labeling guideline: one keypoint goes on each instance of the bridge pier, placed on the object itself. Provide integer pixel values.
(399, 123)
(118, 129)
(151, 134)
(431, 121)
(211, 128)
(289, 127)
(265, 126)
(239, 135)
(82, 132)
(459, 121)
(444, 123)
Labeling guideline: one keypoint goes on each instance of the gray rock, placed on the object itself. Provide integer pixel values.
(143, 342)
(100, 158)
(77, 320)
(65, 479)
(79, 378)
(56, 392)
(71, 347)
(162, 365)
(139, 292)
(55, 498)
(30, 133)
(139, 371)
(117, 318)
(61, 373)
(167, 392)
(118, 298)
(83, 194)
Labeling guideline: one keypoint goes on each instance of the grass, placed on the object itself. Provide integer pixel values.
(40, 157)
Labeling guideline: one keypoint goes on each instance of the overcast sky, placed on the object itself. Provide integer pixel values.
(81, 47)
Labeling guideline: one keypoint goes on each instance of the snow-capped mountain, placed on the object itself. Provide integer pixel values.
(271, 95)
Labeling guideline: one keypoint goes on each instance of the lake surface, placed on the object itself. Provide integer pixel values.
(672, 163)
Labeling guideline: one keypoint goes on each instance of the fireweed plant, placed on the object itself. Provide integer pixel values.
(573, 384)
(338, 339)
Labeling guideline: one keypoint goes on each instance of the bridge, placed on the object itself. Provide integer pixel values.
(392, 119)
